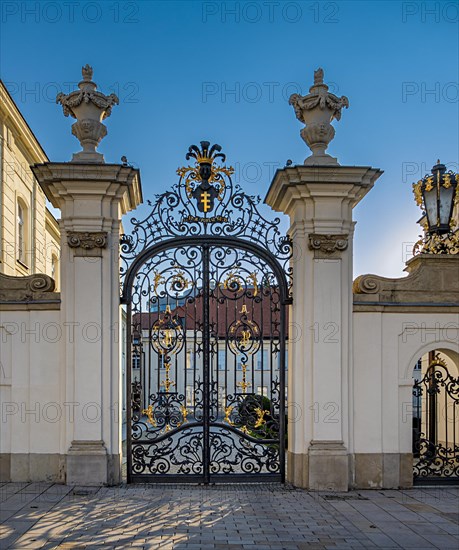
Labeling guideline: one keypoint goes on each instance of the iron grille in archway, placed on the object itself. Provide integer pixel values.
(205, 283)
(436, 425)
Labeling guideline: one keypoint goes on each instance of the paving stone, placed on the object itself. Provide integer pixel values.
(270, 517)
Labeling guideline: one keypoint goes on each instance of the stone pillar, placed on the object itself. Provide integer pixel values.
(92, 198)
(319, 200)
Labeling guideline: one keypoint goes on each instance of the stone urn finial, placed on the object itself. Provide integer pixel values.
(316, 110)
(89, 107)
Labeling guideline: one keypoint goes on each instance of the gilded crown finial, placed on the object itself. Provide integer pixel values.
(204, 155)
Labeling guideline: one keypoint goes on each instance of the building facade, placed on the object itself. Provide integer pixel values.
(29, 233)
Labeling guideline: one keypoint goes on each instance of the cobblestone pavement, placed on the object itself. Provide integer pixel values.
(245, 516)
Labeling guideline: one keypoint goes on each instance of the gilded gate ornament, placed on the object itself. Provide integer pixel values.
(203, 182)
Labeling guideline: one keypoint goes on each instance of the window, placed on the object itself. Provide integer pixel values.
(21, 231)
(55, 269)
(136, 360)
(189, 359)
(286, 360)
(190, 396)
(221, 359)
(262, 362)
(262, 390)
(9, 138)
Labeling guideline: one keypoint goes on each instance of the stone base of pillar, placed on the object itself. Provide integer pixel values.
(328, 466)
(32, 467)
(297, 469)
(383, 470)
(89, 464)
(406, 470)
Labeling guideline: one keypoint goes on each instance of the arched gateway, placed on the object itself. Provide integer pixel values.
(205, 284)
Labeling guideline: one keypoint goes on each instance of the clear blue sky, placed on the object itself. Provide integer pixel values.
(223, 71)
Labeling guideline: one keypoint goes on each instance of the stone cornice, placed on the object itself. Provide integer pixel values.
(53, 304)
(412, 307)
(302, 182)
(432, 279)
(27, 289)
(66, 180)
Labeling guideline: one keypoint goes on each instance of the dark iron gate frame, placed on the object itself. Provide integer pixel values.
(249, 232)
(437, 465)
(207, 242)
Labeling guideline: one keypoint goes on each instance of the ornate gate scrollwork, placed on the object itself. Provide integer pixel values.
(436, 425)
(206, 282)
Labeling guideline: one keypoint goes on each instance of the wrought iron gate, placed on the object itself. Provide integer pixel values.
(436, 425)
(206, 282)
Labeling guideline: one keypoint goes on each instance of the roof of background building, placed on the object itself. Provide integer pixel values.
(265, 313)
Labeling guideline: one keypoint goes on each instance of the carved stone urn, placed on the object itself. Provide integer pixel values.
(89, 107)
(316, 110)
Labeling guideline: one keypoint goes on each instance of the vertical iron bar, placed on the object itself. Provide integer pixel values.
(195, 338)
(216, 345)
(149, 392)
(432, 402)
(128, 386)
(282, 392)
(225, 344)
(205, 378)
(446, 421)
(262, 350)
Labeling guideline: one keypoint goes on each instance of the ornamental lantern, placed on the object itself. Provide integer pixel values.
(437, 193)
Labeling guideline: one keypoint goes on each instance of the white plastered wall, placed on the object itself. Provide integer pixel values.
(31, 385)
(386, 348)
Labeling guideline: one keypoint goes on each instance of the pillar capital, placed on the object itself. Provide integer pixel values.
(321, 187)
(79, 190)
